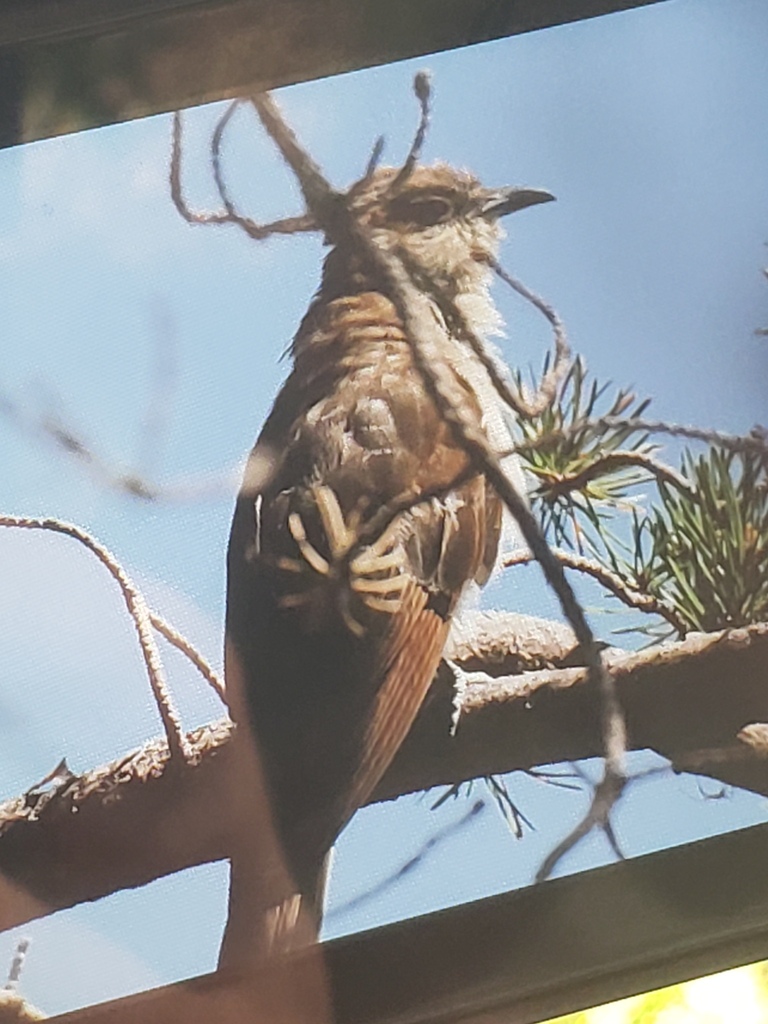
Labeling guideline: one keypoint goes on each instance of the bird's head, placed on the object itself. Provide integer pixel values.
(442, 221)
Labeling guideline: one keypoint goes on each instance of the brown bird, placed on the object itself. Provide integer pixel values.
(337, 623)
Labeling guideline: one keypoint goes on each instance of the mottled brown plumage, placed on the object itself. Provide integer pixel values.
(337, 641)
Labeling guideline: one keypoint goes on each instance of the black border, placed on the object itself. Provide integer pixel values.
(533, 954)
(67, 65)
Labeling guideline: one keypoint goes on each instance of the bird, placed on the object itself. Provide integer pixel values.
(348, 559)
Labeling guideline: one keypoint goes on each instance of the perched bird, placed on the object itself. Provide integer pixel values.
(337, 611)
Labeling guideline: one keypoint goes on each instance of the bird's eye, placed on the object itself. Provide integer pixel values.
(422, 210)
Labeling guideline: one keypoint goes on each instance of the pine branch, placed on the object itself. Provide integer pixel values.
(137, 821)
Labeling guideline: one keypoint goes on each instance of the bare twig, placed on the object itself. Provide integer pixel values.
(66, 439)
(284, 226)
(598, 816)
(139, 613)
(612, 582)
(462, 329)
(179, 641)
(218, 173)
(421, 87)
(321, 199)
(556, 779)
(414, 862)
(755, 441)
(370, 168)
(610, 835)
(534, 405)
(513, 817)
(609, 463)
(64, 436)
(177, 195)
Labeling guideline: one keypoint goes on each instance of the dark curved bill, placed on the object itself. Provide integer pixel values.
(502, 201)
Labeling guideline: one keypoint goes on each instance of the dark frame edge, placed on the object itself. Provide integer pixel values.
(533, 954)
(69, 65)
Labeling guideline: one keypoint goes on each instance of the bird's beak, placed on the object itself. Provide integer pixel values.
(500, 202)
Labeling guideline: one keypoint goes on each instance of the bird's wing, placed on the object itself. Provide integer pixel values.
(456, 530)
(412, 654)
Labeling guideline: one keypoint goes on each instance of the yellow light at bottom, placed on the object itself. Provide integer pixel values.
(738, 996)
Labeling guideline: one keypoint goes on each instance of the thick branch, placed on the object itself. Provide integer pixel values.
(687, 700)
(141, 818)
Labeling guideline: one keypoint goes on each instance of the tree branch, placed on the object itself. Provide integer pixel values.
(610, 462)
(690, 701)
(631, 596)
(284, 226)
(140, 615)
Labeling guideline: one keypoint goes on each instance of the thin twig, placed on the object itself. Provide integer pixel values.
(373, 160)
(177, 195)
(180, 642)
(203, 487)
(416, 861)
(422, 89)
(524, 405)
(139, 613)
(609, 463)
(612, 582)
(598, 816)
(755, 441)
(552, 778)
(340, 225)
(321, 199)
(508, 809)
(610, 835)
(218, 173)
(284, 226)
(461, 328)
(370, 169)
(546, 392)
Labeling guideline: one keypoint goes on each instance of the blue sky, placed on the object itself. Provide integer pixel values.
(649, 128)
